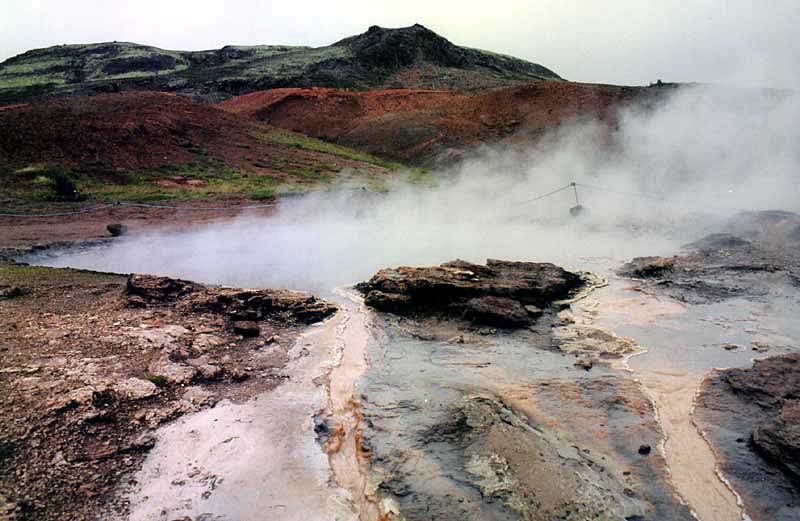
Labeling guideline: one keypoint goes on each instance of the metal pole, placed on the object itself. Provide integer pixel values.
(575, 189)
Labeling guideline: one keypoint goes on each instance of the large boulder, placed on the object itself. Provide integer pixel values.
(495, 294)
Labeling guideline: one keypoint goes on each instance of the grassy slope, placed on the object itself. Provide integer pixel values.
(147, 147)
(207, 179)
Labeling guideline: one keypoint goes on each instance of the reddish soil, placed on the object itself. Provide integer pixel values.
(428, 126)
(125, 131)
(134, 130)
(21, 235)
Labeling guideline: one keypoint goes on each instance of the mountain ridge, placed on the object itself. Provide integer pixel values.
(380, 58)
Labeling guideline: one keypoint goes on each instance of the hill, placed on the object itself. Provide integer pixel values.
(154, 146)
(428, 127)
(411, 57)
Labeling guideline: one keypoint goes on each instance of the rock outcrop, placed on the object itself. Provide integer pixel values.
(501, 293)
(150, 289)
(779, 438)
(774, 385)
(725, 265)
(237, 304)
(752, 417)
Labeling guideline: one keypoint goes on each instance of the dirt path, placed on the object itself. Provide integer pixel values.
(26, 233)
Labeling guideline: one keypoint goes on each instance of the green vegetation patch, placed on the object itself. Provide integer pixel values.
(26, 276)
(36, 184)
(158, 380)
(316, 145)
(183, 182)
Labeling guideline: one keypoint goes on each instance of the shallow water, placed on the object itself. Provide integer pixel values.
(254, 460)
(413, 385)
(682, 344)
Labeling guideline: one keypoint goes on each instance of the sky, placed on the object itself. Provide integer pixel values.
(631, 42)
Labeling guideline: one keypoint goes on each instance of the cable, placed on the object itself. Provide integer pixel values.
(621, 192)
(548, 194)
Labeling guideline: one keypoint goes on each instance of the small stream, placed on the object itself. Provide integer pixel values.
(682, 344)
(254, 460)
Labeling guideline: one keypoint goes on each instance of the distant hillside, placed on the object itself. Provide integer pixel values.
(411, 57)
(427, 127)
(154, 146)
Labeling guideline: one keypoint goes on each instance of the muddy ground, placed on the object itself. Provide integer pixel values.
(749, 415)
(457, 415)
(93, 363)
(20, 235)
(505, 425)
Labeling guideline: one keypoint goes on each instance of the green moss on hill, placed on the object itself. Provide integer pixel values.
(371, 60)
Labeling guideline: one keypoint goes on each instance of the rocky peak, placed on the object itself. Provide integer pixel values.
(380, 46)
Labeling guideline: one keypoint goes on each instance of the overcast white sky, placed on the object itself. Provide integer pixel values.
(622, 41)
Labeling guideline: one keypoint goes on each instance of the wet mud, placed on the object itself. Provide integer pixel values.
(505, 426)
(252, 460)
(738, 294)
(594, 407)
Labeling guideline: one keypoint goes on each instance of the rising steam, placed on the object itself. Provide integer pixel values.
(669, 174)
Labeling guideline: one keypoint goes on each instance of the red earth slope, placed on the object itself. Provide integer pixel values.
(429, 127)
(136, 130)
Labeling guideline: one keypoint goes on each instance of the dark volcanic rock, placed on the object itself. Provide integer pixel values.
(250, 305)
(8, 292)
(496, 311)
(769, 382)
(779, 438)
(717, 267)
(238, 304)
(145, 289)
(774, 385)
(494, 294)
(752, 417)
(116, 229)
(647, 267)
(246, 328)
(718, 241)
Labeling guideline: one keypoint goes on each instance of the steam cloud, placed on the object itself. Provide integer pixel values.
(708, 152)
